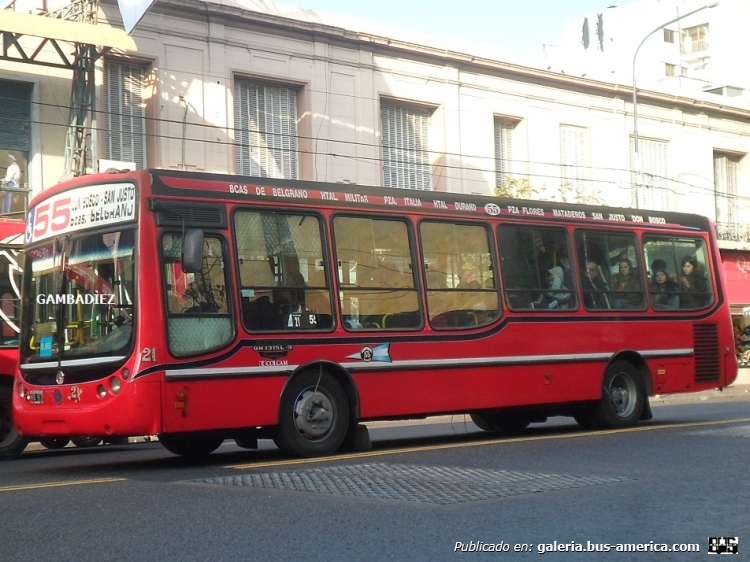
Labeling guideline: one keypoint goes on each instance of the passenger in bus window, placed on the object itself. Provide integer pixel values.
(664, 290)
(594, 287)
(469, 280)
(627, 286)
(557, 294)
(693, 284)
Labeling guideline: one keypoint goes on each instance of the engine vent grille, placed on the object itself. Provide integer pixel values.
(192, 215)
(707, 352)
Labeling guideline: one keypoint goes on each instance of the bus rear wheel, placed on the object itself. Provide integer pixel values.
(12, 443)
(314, 415)
(623, 398)
(191, 445)
(54, 443)
(500, 423)
(86, 441)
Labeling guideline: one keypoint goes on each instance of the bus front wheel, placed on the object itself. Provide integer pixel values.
(12, 443)
(314, 415)
(623, 398)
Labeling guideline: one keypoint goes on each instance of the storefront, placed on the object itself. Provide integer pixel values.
(737, 277)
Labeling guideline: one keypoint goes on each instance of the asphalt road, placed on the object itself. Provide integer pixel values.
(424, 487)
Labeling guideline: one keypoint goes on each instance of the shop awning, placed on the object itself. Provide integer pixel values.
(64, 30)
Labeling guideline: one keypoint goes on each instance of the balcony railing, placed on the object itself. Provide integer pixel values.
(694, 45)
(732, 232)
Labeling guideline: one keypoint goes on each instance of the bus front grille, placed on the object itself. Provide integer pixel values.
(707, 353)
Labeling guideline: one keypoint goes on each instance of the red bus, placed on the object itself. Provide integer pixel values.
(11, 266)
(202, 307)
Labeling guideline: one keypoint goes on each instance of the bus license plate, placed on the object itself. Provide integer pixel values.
(36, 397)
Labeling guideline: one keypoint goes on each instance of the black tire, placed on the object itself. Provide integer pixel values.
(84, 441)
(191, 445)
(313, 415)
(623, 398)
(498, 422)
(12, 443)
(54, 443)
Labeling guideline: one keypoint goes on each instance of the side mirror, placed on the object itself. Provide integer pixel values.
(192, 251)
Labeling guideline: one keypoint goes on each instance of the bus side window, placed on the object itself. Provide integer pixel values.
(612, 274)
(283, 281)
(198, 318)
(679, 273)
(536, 268)
(459, 275)
(377, 289)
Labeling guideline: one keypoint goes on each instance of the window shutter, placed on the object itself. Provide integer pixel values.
(503, 150)
(15, 116)
(125, 118)
(265, 130)
(653, 192)
(725, 185)
(406, 162)
(573, 159)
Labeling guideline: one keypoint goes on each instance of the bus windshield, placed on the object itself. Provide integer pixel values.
(79, 297)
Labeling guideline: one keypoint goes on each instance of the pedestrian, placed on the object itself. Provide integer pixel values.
(12, 180)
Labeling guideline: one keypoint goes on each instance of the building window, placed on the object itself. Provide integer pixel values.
(406, 161)
(726, 168)
(669, 35)
(650, 186)
(695, 39)
(503, 151)
(265, 120)
(574, 174)
(125, 117)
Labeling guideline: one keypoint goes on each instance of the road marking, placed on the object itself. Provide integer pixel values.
(59, 484)
(499, 441)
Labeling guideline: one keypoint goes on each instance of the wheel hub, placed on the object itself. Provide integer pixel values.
(313, 414)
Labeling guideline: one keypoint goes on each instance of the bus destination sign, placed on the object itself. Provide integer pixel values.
(80, 208)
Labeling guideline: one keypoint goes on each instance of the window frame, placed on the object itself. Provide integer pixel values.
(416, 278)
(639, 266)
(228, 290)
(493, 254)
(323, 229)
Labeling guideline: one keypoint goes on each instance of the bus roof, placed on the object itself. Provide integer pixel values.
(238, 189)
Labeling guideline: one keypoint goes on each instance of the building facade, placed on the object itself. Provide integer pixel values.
(250, 87)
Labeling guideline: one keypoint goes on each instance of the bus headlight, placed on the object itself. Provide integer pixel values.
(114, 385)
(21, 391)
(101, 391)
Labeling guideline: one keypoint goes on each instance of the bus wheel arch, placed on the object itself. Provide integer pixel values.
(316, 410)
(624, 397)
(12, 443)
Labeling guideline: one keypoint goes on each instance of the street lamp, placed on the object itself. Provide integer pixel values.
(636, 155)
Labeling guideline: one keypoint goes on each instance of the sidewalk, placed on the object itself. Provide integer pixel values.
(732, 392)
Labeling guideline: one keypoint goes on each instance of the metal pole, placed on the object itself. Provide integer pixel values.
(636, 155)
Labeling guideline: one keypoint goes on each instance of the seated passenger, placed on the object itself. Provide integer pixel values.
(627, 285)
(594, 287)
(664, 291)
(693, 284)
(557, 294)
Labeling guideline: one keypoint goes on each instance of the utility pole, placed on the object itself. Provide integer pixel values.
(81, 137)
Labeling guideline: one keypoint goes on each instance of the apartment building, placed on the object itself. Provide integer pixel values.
(252, 87)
